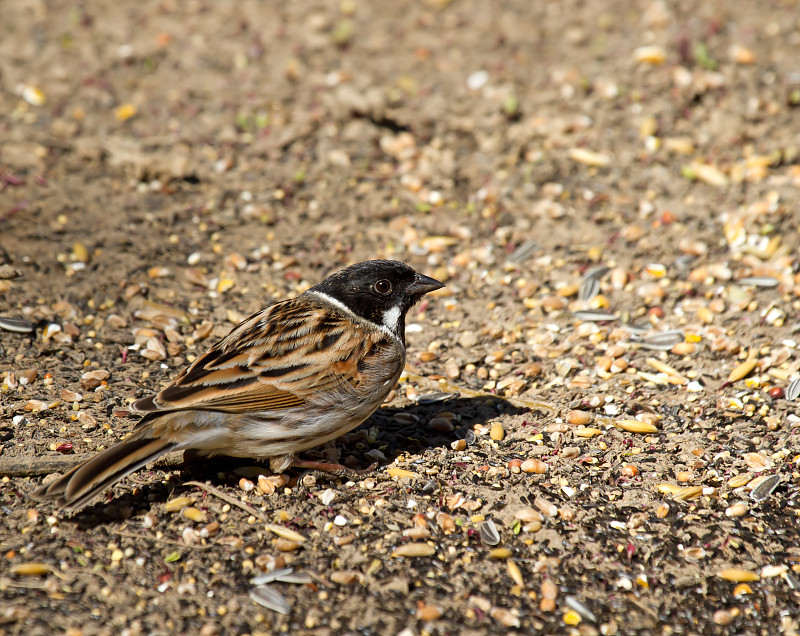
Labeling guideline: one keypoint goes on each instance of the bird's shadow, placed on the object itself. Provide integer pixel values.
(436, 421)
(431, 423)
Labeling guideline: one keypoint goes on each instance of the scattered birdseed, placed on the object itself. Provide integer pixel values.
(663, 341)
(765, 487)
(435, 398)
(595, 316)
(17, 325)
(573, 603)
(489, 533)
(759, 281)
(524, 252)
(793, 390)
(271, 599)
(414, 550)
(737, 575)
(590, 287)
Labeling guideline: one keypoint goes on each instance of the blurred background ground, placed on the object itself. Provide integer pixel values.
(166, 168)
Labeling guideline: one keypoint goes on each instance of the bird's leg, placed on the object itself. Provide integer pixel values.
(337, 470)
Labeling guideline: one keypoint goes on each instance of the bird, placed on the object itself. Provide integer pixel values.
(297, 374)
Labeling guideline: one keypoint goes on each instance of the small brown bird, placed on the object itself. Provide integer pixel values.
(292, 376)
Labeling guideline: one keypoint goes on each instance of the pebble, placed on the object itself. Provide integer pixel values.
(579, 418)
(426, 612)
(533, 465)
(549, 590)
(528, 515)
(547, 507)
(723, 617)
(477, 80)
(505, 617)
(414, 550)
(345, 577)
(441, 425)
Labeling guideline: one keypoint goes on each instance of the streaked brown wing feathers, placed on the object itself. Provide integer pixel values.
(278, 358)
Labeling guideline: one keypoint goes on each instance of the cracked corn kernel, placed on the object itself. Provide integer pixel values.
(572, 617)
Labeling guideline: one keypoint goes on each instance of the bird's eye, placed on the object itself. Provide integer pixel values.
(383, 287)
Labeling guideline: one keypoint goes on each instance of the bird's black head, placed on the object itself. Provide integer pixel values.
(380, 291)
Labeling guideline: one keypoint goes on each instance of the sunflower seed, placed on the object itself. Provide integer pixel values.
(17, 325)
(793, 390)
(637, 331)
(299, 578)
(595, 316)
(431, 486)
(791, 580)
(579, 607)
(590, 287)
(523, 252)
(269, 598)
(489, 533)
(663, 341)
(759, 281)
(269, 577)
(433, 398)
(764, 488)
(563, 367)
(597, 272)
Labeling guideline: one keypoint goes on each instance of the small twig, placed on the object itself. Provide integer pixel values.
(32, 466)
(444, 385)
(231, 500)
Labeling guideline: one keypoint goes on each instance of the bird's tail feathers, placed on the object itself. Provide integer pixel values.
(89, 479)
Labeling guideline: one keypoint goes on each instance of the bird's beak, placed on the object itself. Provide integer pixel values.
(425, 284)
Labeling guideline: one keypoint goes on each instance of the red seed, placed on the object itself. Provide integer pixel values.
(667, 218)
(776, 392)
(65, 448)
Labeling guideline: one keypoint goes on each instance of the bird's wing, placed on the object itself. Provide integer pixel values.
(278, 358)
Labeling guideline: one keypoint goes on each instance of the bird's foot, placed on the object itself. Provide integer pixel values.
(327, 468)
